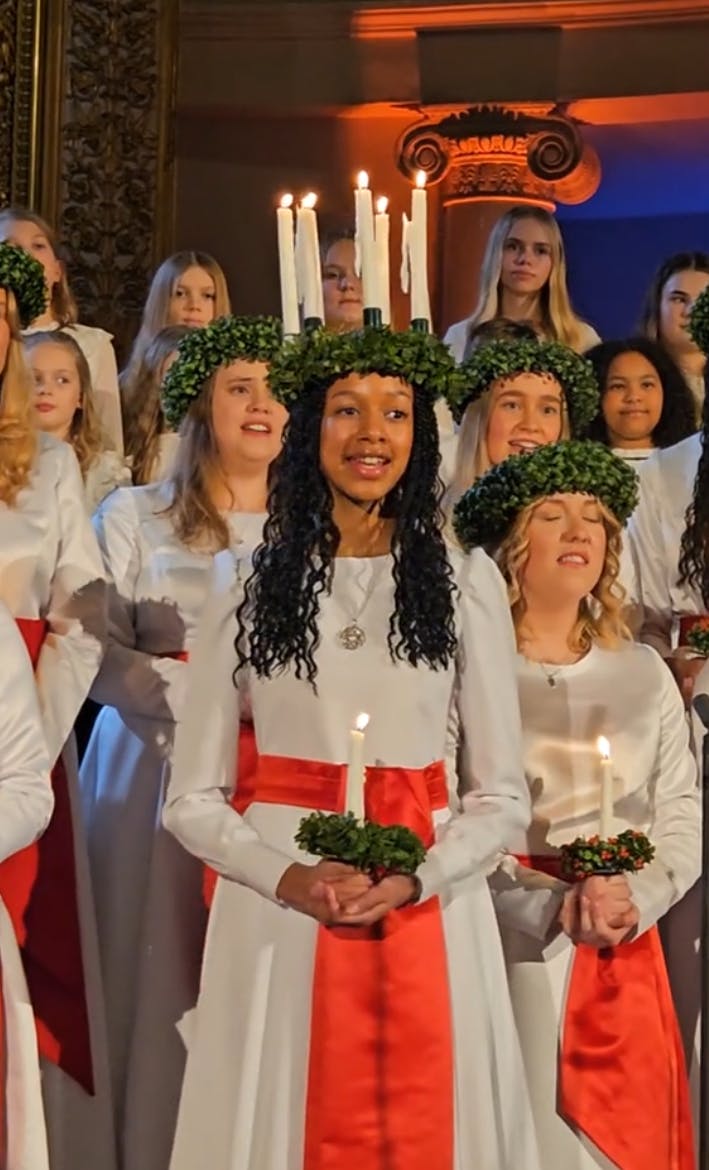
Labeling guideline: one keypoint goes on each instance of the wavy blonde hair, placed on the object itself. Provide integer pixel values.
(156, 314)
(196, 520)
(600, 621)
(85, 434)
(559, 320)
(143, 419)
(62, 305)
(18, 438)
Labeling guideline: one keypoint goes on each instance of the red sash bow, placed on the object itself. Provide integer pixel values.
(380, 1078)
(622, 1075)
(38, 887)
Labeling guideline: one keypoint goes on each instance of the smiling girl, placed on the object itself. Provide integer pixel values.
(158, 542)
(523, 278)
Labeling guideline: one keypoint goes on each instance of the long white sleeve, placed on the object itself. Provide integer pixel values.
(76, 613)
(651, 568)
(197, 809)
(26, 800)
(495, 803)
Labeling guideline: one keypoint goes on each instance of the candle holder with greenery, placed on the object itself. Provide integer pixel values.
(628, 852)
(378, 850)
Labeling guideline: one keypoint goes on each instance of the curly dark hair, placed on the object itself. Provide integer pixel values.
(294, 565)
(676, 421)
(694, 549)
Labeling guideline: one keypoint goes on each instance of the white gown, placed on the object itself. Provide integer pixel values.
(97, 346)
(243, 1103)
(151, 913)
(629, 696)
(107, 472)
(26, 804)
(50, 568)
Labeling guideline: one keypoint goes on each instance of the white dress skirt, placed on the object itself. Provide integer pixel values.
(51, 571)
(151, 911)
(245, 1100)
(26, 804)
(629, 696)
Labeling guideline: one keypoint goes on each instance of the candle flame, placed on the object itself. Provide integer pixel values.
(286, 200)
(604, 748)
(382, 204)
(420, 178)
(361, 721)
(362, 180)
(309, 200)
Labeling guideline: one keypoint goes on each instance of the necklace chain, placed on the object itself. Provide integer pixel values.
(352, 636)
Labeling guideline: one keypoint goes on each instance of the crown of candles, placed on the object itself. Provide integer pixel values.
(299, 258)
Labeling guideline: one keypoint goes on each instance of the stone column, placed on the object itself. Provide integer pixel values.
(488, 159)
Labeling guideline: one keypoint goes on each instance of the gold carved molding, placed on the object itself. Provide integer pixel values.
(87, 95)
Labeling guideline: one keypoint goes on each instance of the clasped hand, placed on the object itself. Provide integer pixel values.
(339, 895)
(599, 912)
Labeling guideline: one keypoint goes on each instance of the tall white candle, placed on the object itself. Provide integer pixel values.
(365, 257)
(605, 828)
(355, 768)
(381, 243)
(307, 259)
(286, 265)
(418, 250)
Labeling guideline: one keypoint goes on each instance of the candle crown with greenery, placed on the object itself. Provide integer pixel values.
(508, 358)
(24, 277)
(486, 512)
(314, 360)
(203, 351)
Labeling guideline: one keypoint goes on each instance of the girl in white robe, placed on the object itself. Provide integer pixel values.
(26, 804)
(601, 1044)
(158, 542)
(387, 1040)
(51, 580)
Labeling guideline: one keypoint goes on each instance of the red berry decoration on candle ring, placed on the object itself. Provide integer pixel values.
(698, 637)
(629, 852)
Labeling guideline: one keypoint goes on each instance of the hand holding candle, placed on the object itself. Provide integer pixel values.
(354, 800)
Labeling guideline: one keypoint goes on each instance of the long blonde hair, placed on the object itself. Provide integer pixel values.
(143, 419)
(85, 434)
(18, 439)
(600, 618)
(156, 313)
(559, 320)
(62, 305)
(196, 520)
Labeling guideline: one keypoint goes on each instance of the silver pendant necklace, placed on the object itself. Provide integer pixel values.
(352, 636)
(550, 675)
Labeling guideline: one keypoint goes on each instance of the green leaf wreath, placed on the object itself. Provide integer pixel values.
(203, 351)
(699, 321)
(315, 360)
(24, 276)
(629, 852)
(487, 511)
(375, 849)
(506, 359)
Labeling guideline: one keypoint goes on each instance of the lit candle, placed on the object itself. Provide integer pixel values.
(307, 260)
(381, 243)
(286, 264)
(355, 768)
(418, 251)
(606, 818)
(365, 257)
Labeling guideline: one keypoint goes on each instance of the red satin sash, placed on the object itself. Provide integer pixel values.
(688, 622)
(622, 1076)
(38, 886)
(380, 1077)
(246, 769)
